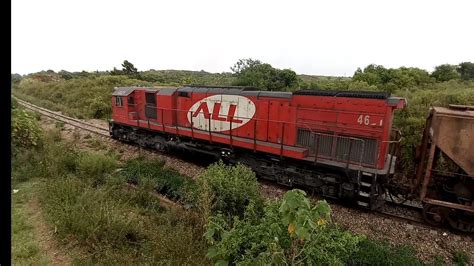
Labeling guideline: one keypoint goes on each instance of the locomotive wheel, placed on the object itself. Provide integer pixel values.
(161, 147)
(435, 215)
(460, 223)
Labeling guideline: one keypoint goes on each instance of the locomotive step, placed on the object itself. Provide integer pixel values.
(364, 194)
(365, 184)
(363, 204)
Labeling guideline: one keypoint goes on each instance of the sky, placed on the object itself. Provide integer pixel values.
(331, 38)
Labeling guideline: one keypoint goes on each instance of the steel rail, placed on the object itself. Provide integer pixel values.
(66, 119)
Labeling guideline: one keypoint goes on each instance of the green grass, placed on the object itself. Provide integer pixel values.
(117, 226)
(379, 253)
(94, 215)
(151, 175)
(95, 166)
(461, 259)
(25, 247)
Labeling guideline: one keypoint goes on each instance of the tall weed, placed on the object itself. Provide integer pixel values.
(95, 166)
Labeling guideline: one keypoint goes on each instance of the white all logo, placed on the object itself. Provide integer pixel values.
(222, 112)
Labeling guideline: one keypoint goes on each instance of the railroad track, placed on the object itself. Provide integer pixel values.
(66, 119)
(393, 213)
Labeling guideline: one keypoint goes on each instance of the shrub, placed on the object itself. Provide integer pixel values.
(26, 132)
(290, 231)
(231, 188)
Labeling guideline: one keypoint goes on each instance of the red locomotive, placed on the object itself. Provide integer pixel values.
(341, 144)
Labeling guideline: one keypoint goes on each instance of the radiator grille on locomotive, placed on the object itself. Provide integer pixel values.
(309, 139)
(362, 150)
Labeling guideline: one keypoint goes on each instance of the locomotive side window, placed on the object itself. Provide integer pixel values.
(131, 100)
(118, 101)
(183, 94)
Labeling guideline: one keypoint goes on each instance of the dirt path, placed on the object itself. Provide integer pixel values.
(44, 236)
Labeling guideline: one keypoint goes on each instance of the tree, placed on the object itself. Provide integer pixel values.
(466, 70)
(244, 64)
(65, 74)
(445, 72)
(116, 72)
(16, 78)
(373, 75)
(250, 72)
(392, 78)
(129, 69)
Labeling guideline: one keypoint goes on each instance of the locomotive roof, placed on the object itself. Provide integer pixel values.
(252, 91)
(123, 91)
(350, 94)
(235, 90)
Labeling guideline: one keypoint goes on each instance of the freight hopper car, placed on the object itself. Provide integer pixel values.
(340, 144)
(444, 179)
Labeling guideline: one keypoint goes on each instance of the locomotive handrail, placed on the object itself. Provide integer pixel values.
(395, 141)
(393, 148)
(255, 120)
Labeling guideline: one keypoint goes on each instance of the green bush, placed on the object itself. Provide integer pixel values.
(25, 130)
(228, 189)
(26, 146)
(289, 231)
